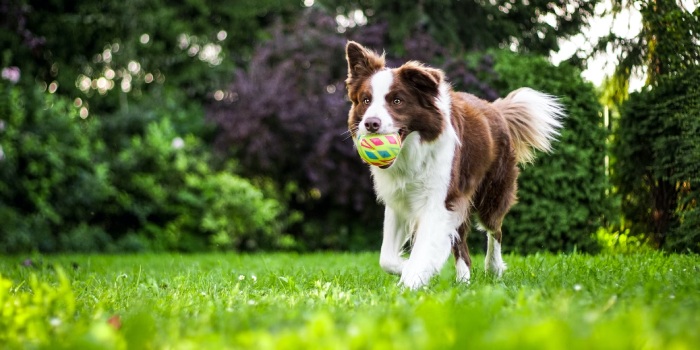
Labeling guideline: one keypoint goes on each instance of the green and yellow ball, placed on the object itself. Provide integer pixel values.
(378, 150)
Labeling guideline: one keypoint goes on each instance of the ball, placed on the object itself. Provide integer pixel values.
(378, 150)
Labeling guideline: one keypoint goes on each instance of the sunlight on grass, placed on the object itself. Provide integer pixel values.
(338, 301)
(621, 241)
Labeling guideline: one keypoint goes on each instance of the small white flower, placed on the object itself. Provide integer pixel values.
(251, 302)
(254, 278)
(241, 277)
(178, 143)
(672, 296)
(55, 321)
(577, 287)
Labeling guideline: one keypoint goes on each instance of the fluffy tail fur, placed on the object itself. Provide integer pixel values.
(534, 120)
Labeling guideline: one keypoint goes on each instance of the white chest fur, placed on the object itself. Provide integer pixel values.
(420, 177)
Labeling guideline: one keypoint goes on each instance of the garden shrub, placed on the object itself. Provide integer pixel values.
(561, 196)
(656, 169)
(184, 203)
(133, 183)
(51, 175)
(170, 190)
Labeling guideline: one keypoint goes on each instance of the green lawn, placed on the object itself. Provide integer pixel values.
(327, 301)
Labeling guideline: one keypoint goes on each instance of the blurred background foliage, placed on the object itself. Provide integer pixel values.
(532, 26)
(657, 172)
(151, 125)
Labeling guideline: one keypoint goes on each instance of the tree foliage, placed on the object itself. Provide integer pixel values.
(667, 43)
(134, 46)
(655, 142)
(533, 26)
(657, 173)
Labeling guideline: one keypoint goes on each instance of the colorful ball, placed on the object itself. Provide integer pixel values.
(378, 150)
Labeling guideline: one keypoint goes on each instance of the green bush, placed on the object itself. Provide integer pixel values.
(561, 196)
(134, 182)
(51, 175)
(656, 169)
(167, 186)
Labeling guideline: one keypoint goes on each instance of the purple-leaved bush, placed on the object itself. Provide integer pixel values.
(285, 118)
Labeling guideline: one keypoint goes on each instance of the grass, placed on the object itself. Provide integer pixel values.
(328, 301)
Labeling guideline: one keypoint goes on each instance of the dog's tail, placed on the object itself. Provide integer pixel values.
(534, 120)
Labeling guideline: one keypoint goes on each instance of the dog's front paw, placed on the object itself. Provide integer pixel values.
(412, 281)
(495, 267)
(462, 272)
(413, 278)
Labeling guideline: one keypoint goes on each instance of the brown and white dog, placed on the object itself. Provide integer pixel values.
(459, 157)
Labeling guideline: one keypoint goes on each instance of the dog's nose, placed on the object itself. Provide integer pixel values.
(372, 124)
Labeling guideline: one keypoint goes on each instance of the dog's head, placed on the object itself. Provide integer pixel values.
(400, 100)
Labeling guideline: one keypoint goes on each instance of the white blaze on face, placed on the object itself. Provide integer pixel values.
(381, 84)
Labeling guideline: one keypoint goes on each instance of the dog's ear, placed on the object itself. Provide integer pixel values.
(361, 61)
(424, 79)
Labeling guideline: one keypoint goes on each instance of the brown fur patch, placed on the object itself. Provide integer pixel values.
(470, 119)
(417, 90)
(459, 246)
(362, 64)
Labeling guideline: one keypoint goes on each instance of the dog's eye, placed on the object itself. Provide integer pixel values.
(366, 100)
(397, 101)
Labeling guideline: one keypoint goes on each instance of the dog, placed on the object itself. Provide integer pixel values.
(459, 158)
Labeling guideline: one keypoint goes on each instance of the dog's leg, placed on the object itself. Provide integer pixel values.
(430, 250)
(491, 220)
(395, 237)
(492, 204)
(460, 250)
(494, 262)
